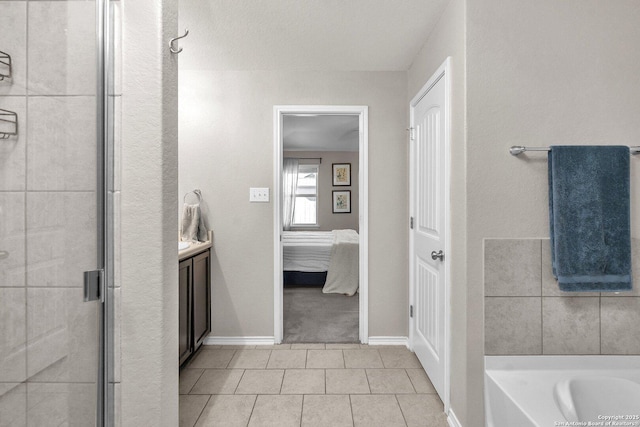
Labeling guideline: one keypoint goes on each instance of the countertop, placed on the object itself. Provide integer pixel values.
(196, 248)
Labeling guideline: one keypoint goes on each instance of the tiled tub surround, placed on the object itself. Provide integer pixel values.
(526, 313)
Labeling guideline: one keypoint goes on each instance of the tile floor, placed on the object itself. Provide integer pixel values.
(307, 385)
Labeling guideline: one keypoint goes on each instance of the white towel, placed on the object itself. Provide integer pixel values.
(190, 222)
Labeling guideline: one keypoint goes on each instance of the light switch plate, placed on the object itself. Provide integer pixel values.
(259, 195)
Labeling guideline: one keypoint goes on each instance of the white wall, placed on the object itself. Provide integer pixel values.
(539, 73)
(327, 220)
(226, 146)
(149, 290)
(448, 39)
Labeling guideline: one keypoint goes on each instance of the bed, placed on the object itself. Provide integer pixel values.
(321, 258)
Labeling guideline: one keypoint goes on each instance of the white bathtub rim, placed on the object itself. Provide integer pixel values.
(526, 382)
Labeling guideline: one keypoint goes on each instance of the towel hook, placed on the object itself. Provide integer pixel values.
(171, 41)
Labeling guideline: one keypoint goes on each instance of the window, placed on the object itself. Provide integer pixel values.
(305, 211)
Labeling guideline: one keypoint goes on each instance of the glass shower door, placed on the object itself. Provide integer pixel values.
(52, 213)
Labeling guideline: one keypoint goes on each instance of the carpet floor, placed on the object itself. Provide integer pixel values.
(311, 316)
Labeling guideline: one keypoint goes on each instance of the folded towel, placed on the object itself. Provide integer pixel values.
(190, 221)
(589, 216)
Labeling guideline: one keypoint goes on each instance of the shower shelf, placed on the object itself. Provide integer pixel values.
(8, 124)
(5, 65)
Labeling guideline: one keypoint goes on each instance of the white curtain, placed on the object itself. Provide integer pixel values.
(289, 185)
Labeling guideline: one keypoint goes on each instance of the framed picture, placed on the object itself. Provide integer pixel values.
(342, 201)
(341, 174)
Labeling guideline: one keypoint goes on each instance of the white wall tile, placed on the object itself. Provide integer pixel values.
(13, 405)
(61, 404)
(13, 149)
(48, 331)
(61, 238)
(12, 239)
(512, 267)
(61, 48)
(62, 143)
(513, 325)
(13, 33)
(63, 329)
(571, 325)
(13, 337)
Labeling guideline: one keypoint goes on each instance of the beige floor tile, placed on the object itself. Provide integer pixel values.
(389, 381)
(227, 410)
(190, 409)
(218, 381)
(277, 411)
(376, 410)
(308, 346)
(422, 410)
(364, 358)
(303, 381)
(347, 381)
(250, 359)
(188, 378)
(398, 358)
(325, 410)
(342, 346)
(287, 359)
(325, 359)
(210, 359)
(420, 381)
(239, 347)
(274, 347)
(261, 382)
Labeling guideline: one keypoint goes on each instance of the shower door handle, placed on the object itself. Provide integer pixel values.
(435, 255)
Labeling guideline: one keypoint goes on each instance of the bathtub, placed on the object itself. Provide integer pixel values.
(551, 391)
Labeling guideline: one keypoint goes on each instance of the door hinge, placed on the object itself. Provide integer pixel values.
(93, 285)
(411, 222)
(411, 136)
(410, 311)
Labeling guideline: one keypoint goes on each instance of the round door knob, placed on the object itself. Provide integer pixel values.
(435, 255)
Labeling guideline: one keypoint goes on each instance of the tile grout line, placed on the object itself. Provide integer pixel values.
(401, 411)
(411, 381)
(353, 421)
(235, 390)
(202, 410)
(196, 381)
(253, 407)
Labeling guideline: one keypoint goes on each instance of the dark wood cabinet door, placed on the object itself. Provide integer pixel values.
(185, 293)
(201, 298)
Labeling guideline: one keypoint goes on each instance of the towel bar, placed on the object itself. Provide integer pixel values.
(519, 149)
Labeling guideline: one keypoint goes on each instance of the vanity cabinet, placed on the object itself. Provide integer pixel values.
(194, 303)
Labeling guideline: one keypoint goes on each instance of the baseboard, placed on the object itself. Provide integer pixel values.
(452, 419)
(239, 341)
(389, 341)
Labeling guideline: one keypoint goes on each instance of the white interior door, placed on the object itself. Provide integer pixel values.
(429, 257)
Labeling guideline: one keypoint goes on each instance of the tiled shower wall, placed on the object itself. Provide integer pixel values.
(48, 344)
(526, 313)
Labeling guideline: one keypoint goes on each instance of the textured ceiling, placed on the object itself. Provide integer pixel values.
(337, 35)
(320, 133)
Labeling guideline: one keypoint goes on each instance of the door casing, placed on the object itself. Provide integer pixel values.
(279, 111)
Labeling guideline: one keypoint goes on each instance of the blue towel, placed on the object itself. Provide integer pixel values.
(590, 219)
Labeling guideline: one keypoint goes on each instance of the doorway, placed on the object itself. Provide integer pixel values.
(430, 232)
(323, 212)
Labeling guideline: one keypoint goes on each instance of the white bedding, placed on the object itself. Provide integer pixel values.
(308, 251)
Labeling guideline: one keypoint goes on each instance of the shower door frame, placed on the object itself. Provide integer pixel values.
(105, 210)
